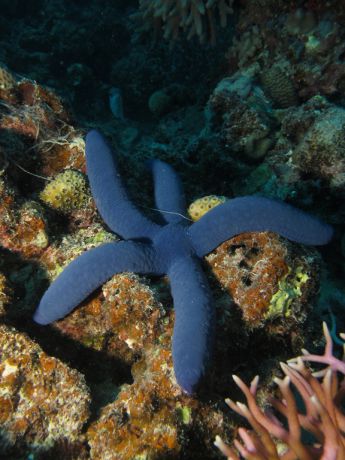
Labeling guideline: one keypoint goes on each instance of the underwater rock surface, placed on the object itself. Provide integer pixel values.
(43, 401)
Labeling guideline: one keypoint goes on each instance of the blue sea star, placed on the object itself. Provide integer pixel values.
(173, 248)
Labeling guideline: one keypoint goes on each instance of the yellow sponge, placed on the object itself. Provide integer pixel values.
(201, 206)
(67, 191)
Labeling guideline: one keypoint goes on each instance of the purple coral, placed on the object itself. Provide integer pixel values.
(322, 416)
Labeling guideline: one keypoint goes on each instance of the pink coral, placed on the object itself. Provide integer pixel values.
(322, 416)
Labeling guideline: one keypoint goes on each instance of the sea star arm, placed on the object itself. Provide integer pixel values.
(194, 321)
(169, 196)
(89, 271)
(109, 193)
(256, 214)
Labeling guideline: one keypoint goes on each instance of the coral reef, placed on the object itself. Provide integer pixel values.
(260, 112)
(126, 320)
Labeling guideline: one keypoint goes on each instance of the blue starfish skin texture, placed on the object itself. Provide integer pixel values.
(173, 248)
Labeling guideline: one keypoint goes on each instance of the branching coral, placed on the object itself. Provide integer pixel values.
(195, 17)
(322, 394)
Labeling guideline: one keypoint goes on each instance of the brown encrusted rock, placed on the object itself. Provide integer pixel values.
(23, 228)
(121, 320)
(152, 418)
(144, 421)
(269, 278)
(42, 401)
